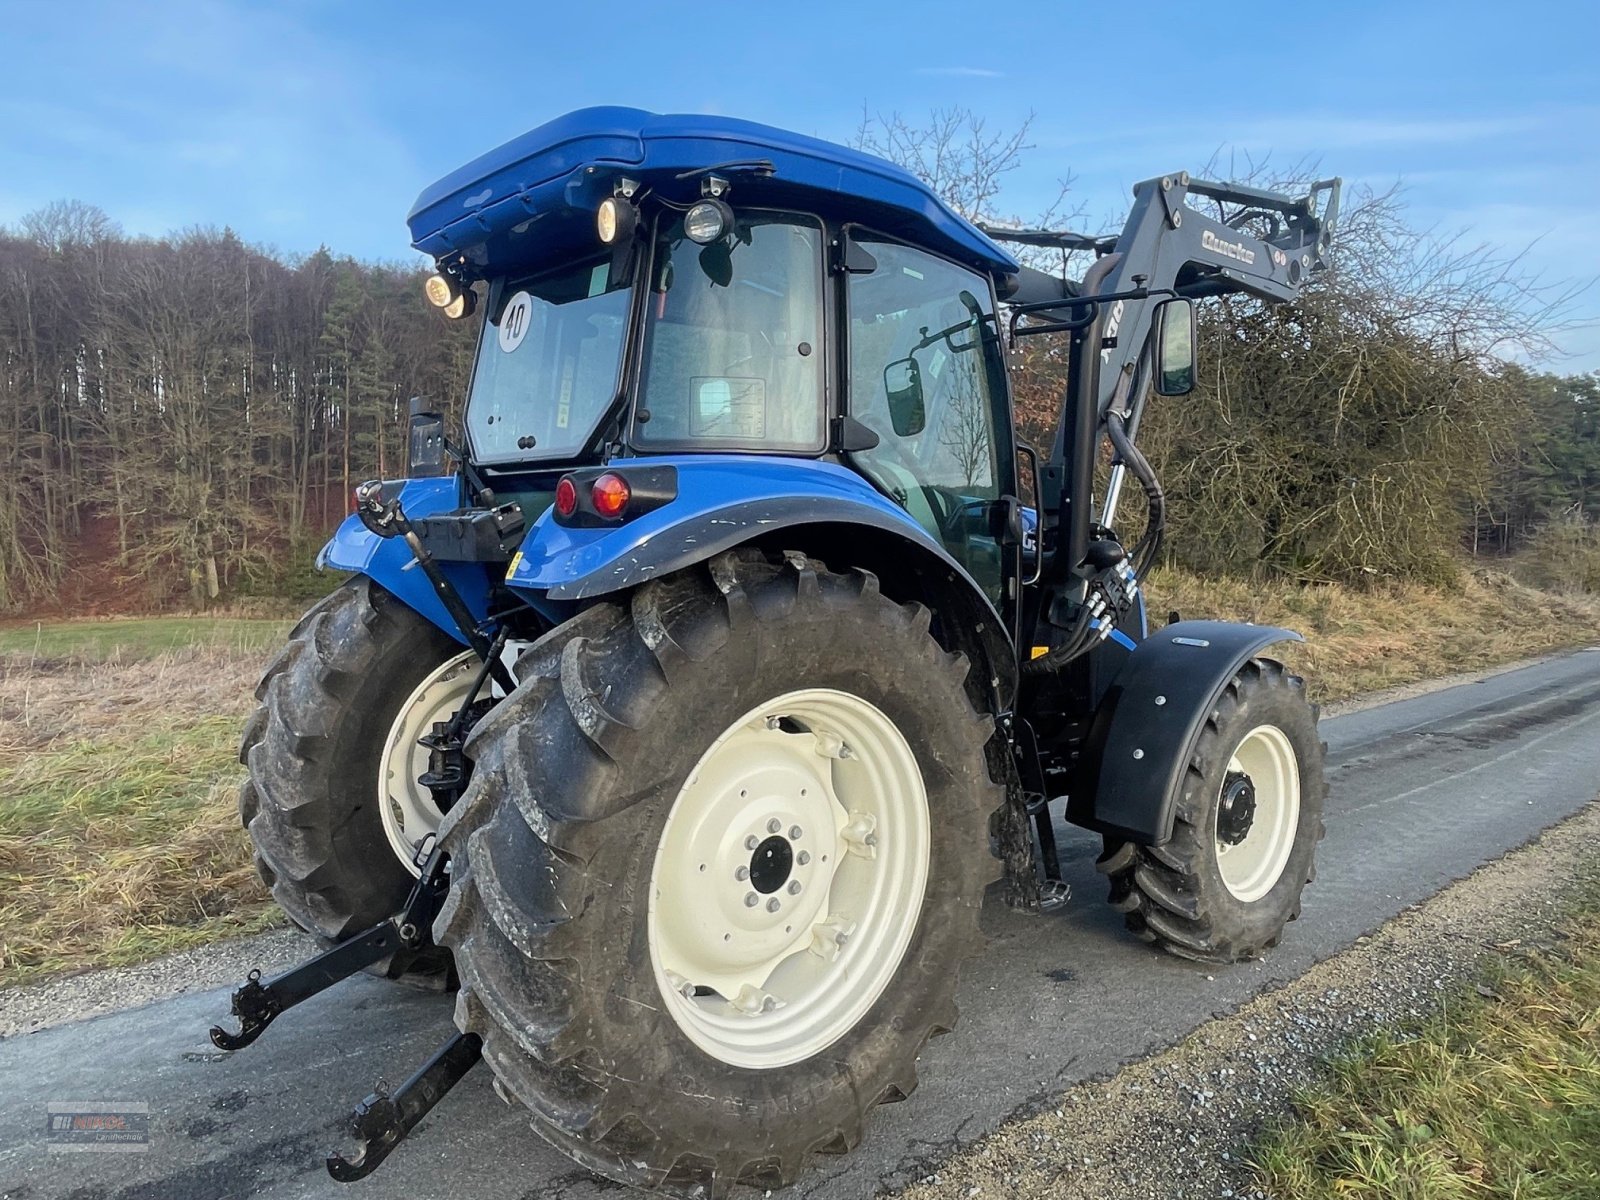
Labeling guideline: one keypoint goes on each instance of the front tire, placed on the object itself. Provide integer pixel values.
(622, 992)
(316, 747)
(1248, 818)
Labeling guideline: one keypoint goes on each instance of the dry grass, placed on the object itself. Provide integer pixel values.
(119, 839)
(1366, 640)
(1496, 1096)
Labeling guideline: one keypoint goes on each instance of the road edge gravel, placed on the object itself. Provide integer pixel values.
(68, 998)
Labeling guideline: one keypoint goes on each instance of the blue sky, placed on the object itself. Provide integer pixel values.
(307, 123)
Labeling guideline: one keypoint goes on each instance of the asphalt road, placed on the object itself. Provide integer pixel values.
(1424, 790)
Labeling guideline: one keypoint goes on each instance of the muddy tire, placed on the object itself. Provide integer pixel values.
(1248, 820)
(313, 746)
(584, 909)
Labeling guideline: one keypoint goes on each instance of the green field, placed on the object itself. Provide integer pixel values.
(138, 637)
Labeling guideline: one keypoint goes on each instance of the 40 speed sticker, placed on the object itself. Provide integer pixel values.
(514, 321)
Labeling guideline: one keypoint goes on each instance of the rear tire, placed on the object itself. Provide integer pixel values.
(1224, 886)
(313, 749)
(553, 884)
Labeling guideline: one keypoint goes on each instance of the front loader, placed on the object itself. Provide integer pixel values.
(685, 724)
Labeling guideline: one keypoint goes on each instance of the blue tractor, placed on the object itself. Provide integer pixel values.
(683, 714)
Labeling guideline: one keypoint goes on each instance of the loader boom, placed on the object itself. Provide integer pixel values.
(1263, 243)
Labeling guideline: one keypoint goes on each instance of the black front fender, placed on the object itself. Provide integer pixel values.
(1141, 736)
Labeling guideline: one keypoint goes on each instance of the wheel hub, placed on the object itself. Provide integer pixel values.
(1237, 810)
(771, 863)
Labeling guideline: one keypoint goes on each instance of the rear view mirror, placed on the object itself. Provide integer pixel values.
(716, 260)
(902, 381)
(1175, 348)
(425, 453)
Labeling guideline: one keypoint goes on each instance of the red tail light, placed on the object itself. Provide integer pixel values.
(566, 498)
(610, 494)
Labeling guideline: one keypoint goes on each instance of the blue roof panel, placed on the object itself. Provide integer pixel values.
(562, 169)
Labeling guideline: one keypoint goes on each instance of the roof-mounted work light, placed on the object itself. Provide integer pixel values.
(440, 290)
(616, 219)
(707, 221)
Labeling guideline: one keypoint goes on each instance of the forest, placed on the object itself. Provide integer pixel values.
(183, 417)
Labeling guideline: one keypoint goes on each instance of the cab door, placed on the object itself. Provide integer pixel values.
(927, 375)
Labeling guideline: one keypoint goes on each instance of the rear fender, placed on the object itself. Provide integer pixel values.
(724, 501)
(1139, 741)
(390, 563)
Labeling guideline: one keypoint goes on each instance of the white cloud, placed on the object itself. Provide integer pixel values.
(962, 72)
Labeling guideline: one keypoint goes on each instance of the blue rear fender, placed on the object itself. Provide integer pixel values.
(389, 562)
(722, 501)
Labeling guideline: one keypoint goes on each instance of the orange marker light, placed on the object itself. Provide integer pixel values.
(611, 494)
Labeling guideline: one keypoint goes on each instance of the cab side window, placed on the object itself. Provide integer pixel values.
(924, 357)
(732, 336)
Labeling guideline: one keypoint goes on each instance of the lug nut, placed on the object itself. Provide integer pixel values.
(773, 905)
(774, 825)
(751, 842)
(751, 900)
(742, 874)
(795, 832)
(803, 857)
(794, 887)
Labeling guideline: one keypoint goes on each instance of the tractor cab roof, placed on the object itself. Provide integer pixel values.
(533, 200)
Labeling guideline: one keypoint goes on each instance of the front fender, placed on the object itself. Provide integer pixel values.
(722, 501)
(1142, 733)
(389, 561)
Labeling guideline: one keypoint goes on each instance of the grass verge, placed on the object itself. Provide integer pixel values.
(1361, 640)
(1497, 1095)
(119, 836)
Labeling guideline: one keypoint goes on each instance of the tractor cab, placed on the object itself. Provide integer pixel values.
(654, 287)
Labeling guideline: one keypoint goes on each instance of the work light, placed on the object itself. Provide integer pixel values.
(707, 221)
(440, 290)
(463, 305)
(615, 220)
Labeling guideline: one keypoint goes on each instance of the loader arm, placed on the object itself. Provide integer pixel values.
(1166, 249)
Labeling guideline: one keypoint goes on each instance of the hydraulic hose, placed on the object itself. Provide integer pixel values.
(1084, 633)
(1144, 551)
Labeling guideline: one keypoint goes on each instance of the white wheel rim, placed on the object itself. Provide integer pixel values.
(826, 779)
(1253, 866)
(408, 810)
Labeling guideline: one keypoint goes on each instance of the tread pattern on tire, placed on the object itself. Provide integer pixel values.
(525, 875)
(1159, 889)
(291, 746)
